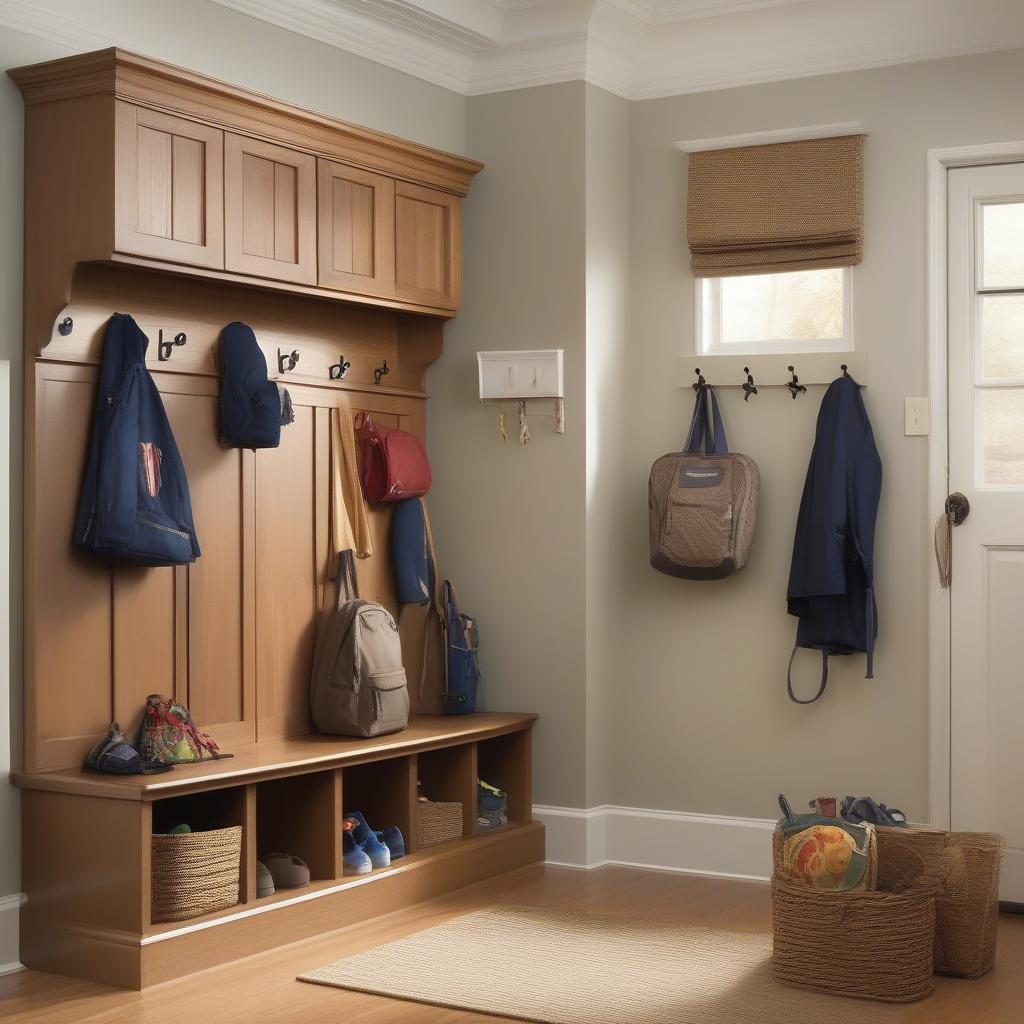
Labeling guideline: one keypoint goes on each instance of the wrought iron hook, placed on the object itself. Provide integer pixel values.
(794, 385)
(164, 348)
(749, 387)
(286, 361)
(700, 379)
(338, 370)
(382, 371)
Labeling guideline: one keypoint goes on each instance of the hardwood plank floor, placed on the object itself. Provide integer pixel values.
(263, 988)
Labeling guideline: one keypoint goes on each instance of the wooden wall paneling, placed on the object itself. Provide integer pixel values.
(68, 620)
(221, 693)
(356, 229)
(286, 578)
(428, 232)
(269, 210)
(144, 628)
(169, 187)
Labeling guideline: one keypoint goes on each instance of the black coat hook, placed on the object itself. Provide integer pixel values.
(337, 370)
(164, 348)
(844, 368)
(749, 387)
(700, 379)
(794, 385)
(286, 360)
(382, 371)
(65, 327)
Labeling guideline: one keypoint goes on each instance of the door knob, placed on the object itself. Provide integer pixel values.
(957, 509)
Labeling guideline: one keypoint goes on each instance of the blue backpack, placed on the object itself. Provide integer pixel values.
(135, 503)
(252, 408)
(416, 582)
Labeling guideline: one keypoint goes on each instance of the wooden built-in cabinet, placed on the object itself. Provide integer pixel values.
(356, 229)
(428, 230)
(269, 210)
(169, 184)
(190, 203)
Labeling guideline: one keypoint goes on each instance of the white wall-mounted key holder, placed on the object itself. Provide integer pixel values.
(515, 376)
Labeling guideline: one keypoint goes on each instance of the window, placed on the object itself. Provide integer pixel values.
(801, 311)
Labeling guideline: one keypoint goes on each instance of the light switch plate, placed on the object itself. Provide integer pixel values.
(915, 414)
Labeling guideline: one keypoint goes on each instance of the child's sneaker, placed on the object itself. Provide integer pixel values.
(393, 839)
(365, 837)
(355, 859)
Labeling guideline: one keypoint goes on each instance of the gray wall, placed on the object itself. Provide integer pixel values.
(205, 37)
(702, 722)
(510, 521)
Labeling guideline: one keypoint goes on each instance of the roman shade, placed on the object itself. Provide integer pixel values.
(771, 208)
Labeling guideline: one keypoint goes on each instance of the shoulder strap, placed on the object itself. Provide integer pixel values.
(436, 606)
(706, 426)
(789, 678)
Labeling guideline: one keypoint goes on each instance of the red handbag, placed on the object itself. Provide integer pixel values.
(395, 465)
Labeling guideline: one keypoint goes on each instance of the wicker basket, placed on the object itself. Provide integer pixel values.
(967, 911)
(195, 873)
(437, 822)
(870, 945)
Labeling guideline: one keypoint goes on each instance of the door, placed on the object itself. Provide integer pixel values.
(269, 210)
(356, 231)
(427, 234)
(169, 187)
(986, 464)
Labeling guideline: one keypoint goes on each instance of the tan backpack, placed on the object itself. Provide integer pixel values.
(358, 685)
(703, 506)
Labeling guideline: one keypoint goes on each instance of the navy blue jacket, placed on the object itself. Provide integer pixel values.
(832, 576)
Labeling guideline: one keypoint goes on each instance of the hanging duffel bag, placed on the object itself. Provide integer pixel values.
(703, 504)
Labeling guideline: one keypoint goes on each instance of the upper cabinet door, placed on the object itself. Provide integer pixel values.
(428, 229)
(269, 210)
(356, 230)
(170, 187)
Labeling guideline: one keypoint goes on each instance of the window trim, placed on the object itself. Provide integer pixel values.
(708, 320)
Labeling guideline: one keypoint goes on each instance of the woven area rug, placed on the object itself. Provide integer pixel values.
(560, 968)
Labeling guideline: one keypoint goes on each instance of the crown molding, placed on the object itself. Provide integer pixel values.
(818, 131)
(637, 49)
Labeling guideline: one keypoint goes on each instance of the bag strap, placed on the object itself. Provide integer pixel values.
(789, 678)
(706, 426)
(436, 606)
(346, 582)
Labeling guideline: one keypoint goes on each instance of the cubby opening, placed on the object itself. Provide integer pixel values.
(504, 761)
(202, 812)
(384, 793)
(301, 815)
(449, 774)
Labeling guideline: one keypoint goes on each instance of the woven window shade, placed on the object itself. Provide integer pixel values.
(784, 206)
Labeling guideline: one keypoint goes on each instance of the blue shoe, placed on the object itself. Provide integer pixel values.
(392, 838)
(356, 862)
(366, 838)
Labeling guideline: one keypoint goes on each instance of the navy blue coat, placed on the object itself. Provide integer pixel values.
(832, 576)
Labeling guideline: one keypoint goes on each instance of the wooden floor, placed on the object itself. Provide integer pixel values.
(263, 988)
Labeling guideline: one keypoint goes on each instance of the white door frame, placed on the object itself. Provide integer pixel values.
(939, 162)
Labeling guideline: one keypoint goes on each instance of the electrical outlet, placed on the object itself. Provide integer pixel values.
(915, 413)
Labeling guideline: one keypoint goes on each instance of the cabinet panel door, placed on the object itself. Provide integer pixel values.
(356, 230)
(170, 187)
(428, 228)
(269, 210)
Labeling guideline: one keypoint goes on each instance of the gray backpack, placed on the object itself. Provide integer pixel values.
(703, 506)
(358, 686)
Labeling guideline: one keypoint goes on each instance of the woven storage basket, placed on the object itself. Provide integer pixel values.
(437, 822)
(195, 873)
(870, 945)
(967, 910)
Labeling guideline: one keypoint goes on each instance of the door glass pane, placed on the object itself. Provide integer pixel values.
(1002, 337)
(1002, 260)
(805, 305)
(1002, 434)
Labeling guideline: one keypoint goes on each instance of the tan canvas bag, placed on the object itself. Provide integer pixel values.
(703, 504)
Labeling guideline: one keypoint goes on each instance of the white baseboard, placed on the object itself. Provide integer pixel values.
(700, 844)
(9, 907)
